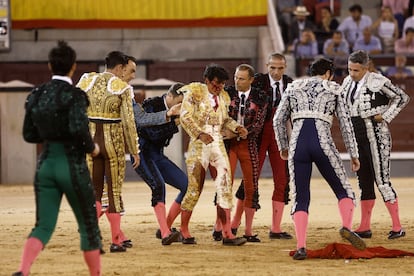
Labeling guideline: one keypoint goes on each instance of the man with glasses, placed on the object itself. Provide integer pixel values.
(204, 114)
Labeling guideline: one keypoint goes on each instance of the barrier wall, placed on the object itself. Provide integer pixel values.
(18, 158)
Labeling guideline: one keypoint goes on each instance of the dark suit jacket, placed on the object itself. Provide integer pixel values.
(262, 81)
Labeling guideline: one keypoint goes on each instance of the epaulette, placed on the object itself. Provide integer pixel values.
(118, 86)
(332, 86)
(376, 81)
(87, 81)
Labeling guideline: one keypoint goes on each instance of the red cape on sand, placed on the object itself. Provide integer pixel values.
(347, 251)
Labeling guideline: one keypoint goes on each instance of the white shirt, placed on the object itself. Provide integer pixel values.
(62, 78)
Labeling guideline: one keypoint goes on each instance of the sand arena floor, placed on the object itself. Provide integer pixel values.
(148, 257)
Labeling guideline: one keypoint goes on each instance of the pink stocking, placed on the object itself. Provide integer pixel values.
(160, 213)
(300, 219)
(31, 250)
(238, 214)
(395, 217)
(173, 213)
(366, 212)
(185, 220)
(93, 260)
(249, 213)
(346, 209)
(277, 213)
(115, 222)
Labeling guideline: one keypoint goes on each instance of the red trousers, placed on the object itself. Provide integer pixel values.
(239, 151)
(279, 167)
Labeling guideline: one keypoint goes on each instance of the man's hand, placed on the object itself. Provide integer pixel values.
(355, 164)
(284, 154)
(96, 150)
(228, 134)
(205, 138)
(242, 131)
(136, 161)
(174, 110)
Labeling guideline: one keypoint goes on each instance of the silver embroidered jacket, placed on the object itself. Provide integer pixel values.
(377, 95)
(318, 99)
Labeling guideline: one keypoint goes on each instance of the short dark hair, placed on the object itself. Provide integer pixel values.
(360, 57)
(320, 66)
(130, 58)
(276, 56)
(247, 67)
(355, 7)
(174, 89)
(409, 30)
(215, 71)
(61, 58)
(115, 58)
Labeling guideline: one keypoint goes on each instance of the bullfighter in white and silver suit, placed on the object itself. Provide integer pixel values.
(310, 104)
(373, 102)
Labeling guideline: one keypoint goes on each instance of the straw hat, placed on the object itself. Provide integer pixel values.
(301, 11)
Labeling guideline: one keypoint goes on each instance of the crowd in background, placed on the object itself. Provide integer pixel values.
(310, 28)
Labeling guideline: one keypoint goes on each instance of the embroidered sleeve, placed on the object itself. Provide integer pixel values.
(345, 126)
(280, 119)
(128, 122)
(398, 100)
(78, 121)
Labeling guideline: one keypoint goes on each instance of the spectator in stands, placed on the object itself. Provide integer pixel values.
(405, 45)
(368, 42)
(353, 25)
(306, 46)
(337, 49)
(336, 46)
(399, 70)
(409, 22)
(326, 27)
(284, 11)
(400, 9)
(410, 8)
(386, 28)
(300, 23)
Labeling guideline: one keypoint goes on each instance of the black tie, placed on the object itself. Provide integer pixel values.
(276, 100)
(353, 92)
(242, 102)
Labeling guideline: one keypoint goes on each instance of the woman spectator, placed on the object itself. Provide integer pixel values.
(326, 27)
(386, 28)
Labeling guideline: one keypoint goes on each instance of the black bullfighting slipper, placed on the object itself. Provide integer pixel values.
(353, 238)
(18, 274)
(172, 237)
(251, 238)
(115, 248)
(364, 234)
(234, 242)
(300, 254)
(190, 240)
(280, 236)
(217, 235)
(158, 234)
(127, 243)
(395, 235)
(234, 231)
